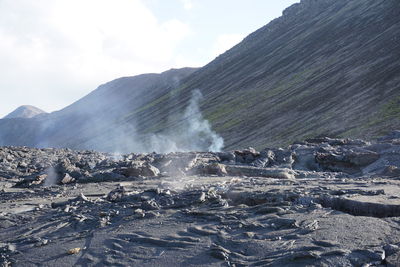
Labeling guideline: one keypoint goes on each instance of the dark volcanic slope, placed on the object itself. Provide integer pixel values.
(326, 67)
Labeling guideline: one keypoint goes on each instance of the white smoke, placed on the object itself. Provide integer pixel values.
(51, 178)
(195, 134)
(163, 144)
(106, 132)
(200, 128)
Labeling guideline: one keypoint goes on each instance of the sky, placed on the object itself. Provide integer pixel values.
(53, 52)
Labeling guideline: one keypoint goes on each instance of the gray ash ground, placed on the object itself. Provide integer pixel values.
(321, 202)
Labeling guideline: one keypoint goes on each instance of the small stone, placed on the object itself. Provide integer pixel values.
(139, 213)
(82, 197)
(67, 179)
(73, 251)
(150, 205)
(283, 223)
(104, 221)
(117, 194)
(67, 208)
(39, 179)
(147, 170)
(11, 248)
(202, 197)
(249, 234)
(42, 242)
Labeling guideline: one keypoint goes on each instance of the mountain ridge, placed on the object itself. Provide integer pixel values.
(323, 68)
(24, 111)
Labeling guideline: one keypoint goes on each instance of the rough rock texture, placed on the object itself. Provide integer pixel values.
(337, 156)
(278, 207)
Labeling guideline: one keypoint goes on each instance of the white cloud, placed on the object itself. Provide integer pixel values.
(187, 4)
(49, 48)
(225, 42)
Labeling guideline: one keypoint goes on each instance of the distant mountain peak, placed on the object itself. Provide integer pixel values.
(25, 111)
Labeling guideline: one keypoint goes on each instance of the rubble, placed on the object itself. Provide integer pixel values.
(321, 202)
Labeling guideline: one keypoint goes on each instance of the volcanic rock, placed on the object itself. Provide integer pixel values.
(146, 170)
(67, 179)
(346, 160)
(291, 209)
(209, 169)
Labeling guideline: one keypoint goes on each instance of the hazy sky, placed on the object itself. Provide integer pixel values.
(53, 52)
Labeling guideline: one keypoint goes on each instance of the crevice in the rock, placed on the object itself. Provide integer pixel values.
(360, 208)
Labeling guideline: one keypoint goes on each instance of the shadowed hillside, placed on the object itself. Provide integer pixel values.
(323, 68)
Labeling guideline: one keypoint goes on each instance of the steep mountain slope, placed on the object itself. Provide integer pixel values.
(323, 68)
(25, 111)
(326, 67)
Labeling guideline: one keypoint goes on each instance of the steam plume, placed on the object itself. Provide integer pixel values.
(51, 178)
(195, 135)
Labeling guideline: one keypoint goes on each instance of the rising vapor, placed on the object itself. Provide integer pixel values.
(194, 135)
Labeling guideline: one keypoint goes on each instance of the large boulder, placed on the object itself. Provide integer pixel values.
(67, 179)
(228, 157)
(118, 194)
(144, 170)
(246, 156)
(65, 166)
(279, 157)
(389, 160)
(304, 157)
(346, 160)
(266, 158)
(175, 164)
(209, 169)
(32, 181)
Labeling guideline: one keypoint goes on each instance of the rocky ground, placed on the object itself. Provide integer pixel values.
(321, 202)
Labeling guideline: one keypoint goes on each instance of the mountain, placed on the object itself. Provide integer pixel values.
(25, 111)
(94, 121)
(325, 67)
